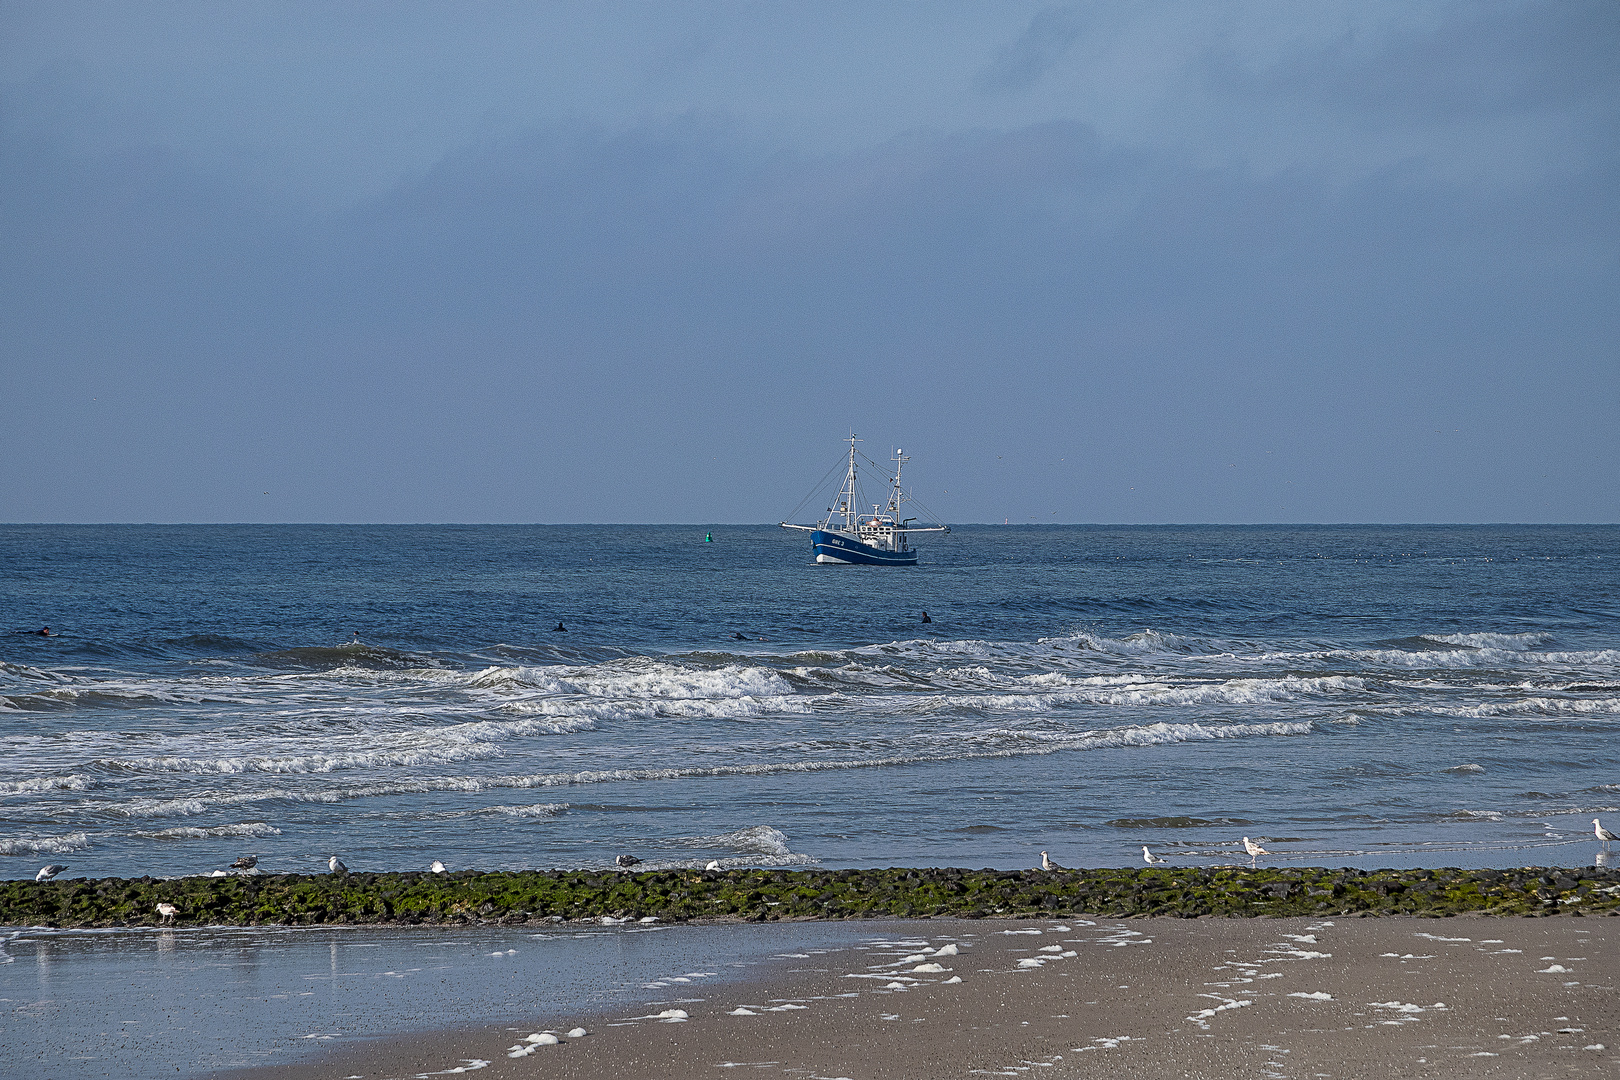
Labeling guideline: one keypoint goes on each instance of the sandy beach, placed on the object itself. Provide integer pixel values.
(1459, 997)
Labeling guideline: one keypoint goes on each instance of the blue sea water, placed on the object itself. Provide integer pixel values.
(1364, 696)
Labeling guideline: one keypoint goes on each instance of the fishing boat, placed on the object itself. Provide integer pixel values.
(849, 534)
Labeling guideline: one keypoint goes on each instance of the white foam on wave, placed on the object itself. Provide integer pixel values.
(71, 782)
(533, 810)
(191, 832)
(1511, 642)
(866, 676)
(304, 763)
(1529, 707)
(651, 680)
(1159, 734)
(664, 708)
(1537, 706)
(759, 845)
(1516, 656)
(450, 743)
(1147, 642)
(1164, 693)
(44, 845)
(760, 839)
(1038, 741)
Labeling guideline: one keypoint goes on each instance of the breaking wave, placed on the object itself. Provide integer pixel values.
(461, 742)
(1022, 745)
(1508, 642)
(44, 845)
(760, 845)
(187, 832)
(74, 782)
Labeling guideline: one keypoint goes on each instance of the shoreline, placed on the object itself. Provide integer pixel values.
(769, 895)
(1304, 997)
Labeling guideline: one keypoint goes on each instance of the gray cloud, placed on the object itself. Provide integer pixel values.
(589, 320)
(1021, 64)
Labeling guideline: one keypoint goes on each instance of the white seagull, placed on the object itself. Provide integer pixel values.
(168, 911)
(335, 864)
(1597, 829)
(625, 860)
(1152, 859)
(1048, 864)
(438, 867)
(715, 865)
(48, 872)
(1254, 850)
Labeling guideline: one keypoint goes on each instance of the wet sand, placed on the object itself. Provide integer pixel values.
(1216, 998)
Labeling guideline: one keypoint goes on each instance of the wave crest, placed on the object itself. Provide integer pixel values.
(190, 832)
(45, 845)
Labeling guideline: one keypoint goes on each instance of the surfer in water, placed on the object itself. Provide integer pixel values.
(925, 617)
(43, 631)
(561, 629)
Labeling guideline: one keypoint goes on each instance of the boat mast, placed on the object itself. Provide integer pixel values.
(848, 494)
(896, 496)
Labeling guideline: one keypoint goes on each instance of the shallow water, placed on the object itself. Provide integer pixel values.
(140, 1004)
(1365, 696)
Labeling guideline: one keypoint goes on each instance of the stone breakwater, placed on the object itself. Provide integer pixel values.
(761, 895)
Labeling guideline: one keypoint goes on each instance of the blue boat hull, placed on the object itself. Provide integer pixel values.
(836, 547)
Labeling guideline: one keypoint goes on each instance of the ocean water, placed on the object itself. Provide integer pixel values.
(1361, 696)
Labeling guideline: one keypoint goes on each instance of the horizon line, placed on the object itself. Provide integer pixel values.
(772, 524)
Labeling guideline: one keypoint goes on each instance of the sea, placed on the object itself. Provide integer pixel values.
(537, 697)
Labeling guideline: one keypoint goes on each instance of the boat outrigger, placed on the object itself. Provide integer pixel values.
(880, 538)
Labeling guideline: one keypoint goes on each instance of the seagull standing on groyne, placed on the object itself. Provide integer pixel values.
(48, 872)
(1048, 864)
(335, 865)
(1152, 859)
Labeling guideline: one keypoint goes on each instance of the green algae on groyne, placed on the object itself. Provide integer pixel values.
(398, 899)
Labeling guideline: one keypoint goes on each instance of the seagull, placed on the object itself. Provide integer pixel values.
(1048, 864)
(168, 911)
(246, 862)
(626, 860)
(715, 865)
(1150, 858)
(438, 867)
(1597, 829)
(1254, 850)
(335, 864)
(48, 872)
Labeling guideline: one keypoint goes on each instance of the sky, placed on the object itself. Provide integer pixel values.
(1251, 261)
